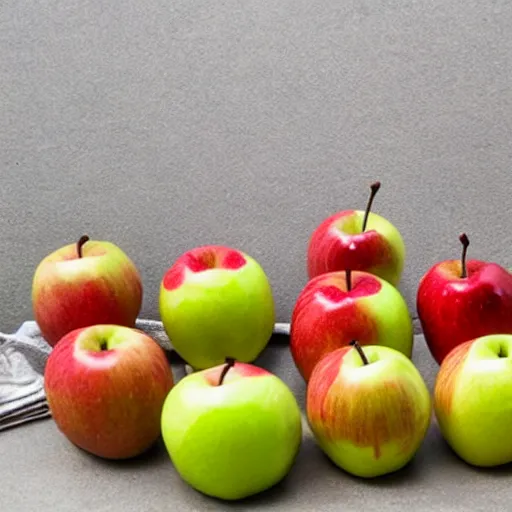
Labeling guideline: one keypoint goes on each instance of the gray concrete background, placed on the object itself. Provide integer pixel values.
(165, 125)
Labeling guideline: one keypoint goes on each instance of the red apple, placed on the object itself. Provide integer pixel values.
(106, 386)
(337, 307)
(357, 240)
(83, 284)
(459, 300)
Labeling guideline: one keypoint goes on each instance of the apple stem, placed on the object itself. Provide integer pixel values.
(464, 240)
(80, 244)
(103, 345)
(360, 351)
(348, 275)
(374, 189)
(230, 362)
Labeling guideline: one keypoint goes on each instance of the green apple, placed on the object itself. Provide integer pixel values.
(216, 302)
(473, 400)
(231, 431)
(368, 408)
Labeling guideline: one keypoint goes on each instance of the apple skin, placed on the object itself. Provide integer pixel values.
(234, 440)
(338, 244)
(216, 302)
(370, 420)
(326, 317)
(453, 310)
(473, 397)
(68, 292)
(108, 402)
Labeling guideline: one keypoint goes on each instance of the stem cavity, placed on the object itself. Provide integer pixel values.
(374, 189)
(464, 240)
(360, 351)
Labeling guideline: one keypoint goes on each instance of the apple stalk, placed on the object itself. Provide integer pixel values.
(374, 189)
(230, 362)
(348, 277)
(360, 351)
(464, 240)
(83, 240)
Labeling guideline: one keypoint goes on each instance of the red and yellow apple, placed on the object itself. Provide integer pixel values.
(216, 302)
(106, 386)
(337, 307)
(473, 400)
(459, 300)
(232, 431)
(369, 409)
(83, 284)
(359, 240)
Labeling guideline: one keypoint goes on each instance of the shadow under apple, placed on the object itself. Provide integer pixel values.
(155, 454)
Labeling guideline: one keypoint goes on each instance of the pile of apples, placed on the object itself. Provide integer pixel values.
(233, 429)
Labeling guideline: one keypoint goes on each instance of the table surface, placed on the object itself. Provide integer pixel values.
(41, 471)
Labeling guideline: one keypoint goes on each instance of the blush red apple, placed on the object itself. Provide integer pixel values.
(368, 408)
(106, 387)
(459, 300)
(83, 284)
(359, 240)
(337, 307)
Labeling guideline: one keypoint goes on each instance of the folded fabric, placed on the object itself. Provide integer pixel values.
(23, 357)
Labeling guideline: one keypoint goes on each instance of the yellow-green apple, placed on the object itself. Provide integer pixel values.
(473, 397)
(368, 408)
(106, 386)
(359, 240)
(83, 284)
(232, 431)
(216, 302)
(337, 307)
(459, 300)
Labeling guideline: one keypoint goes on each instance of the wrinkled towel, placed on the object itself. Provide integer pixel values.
(23, 357)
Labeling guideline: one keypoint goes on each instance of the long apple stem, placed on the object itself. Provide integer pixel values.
(360, 351)
(348, 276)
(230, 362)
(80, 244)
(374, 189)
(464, 240)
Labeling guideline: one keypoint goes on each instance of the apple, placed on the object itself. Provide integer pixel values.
(337, 307)
(359, 240)
(369, 410)
(232, 431)
(105, 386)
(84, 284)
(216, 302)
(459, 300)
(473, 397)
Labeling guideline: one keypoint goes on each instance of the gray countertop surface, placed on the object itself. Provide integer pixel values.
(41, 471)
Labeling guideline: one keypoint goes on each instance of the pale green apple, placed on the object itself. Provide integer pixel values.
(368, 408)
(232, 436)
(473, 400)
(216, 302)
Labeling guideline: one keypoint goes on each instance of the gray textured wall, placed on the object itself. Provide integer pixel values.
(165, 125)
